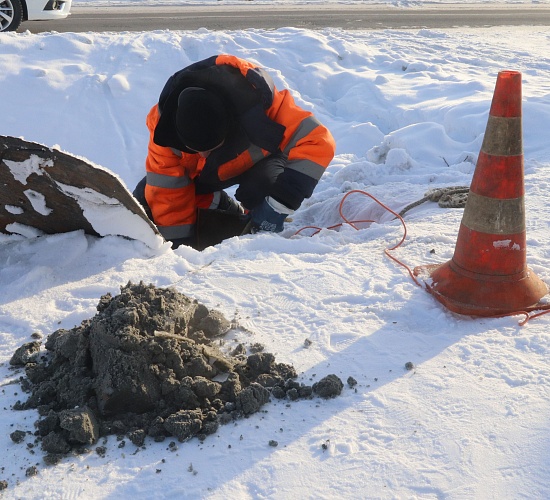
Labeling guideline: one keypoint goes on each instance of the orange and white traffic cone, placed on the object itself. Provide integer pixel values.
(487, 275)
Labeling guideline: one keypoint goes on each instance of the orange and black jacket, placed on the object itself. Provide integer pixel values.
(265, 121)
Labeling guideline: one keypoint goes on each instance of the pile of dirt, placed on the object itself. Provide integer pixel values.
(148, 364)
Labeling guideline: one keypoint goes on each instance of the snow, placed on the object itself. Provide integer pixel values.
(101, 210)
(21, 170)
(408, 110)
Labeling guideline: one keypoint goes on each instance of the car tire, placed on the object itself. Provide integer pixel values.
(11, 15)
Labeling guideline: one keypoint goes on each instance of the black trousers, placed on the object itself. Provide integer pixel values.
(254, 184)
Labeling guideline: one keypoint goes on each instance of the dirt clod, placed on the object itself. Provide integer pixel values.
(328, 387)
(18, 436)
(25, 354)
(31, 471)
(52, 458)
(351, 382)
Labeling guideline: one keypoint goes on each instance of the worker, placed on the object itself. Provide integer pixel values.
(219, 123)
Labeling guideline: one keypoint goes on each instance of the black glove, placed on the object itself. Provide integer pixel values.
(269, 216)
(229, 205)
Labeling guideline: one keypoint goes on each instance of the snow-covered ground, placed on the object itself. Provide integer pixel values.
(408, 110)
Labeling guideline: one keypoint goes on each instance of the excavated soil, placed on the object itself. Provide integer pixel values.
(148, 364)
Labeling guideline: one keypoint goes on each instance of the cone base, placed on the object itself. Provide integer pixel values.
(482, 295)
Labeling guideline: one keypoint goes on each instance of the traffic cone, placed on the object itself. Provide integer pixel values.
(487, 275)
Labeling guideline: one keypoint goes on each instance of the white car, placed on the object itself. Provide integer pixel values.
(14, 12)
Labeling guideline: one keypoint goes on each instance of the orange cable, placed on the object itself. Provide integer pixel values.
(352, 224)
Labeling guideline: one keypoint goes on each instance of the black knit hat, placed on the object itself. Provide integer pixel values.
(201, 118)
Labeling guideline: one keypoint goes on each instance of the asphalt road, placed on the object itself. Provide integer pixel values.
(348, 17)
